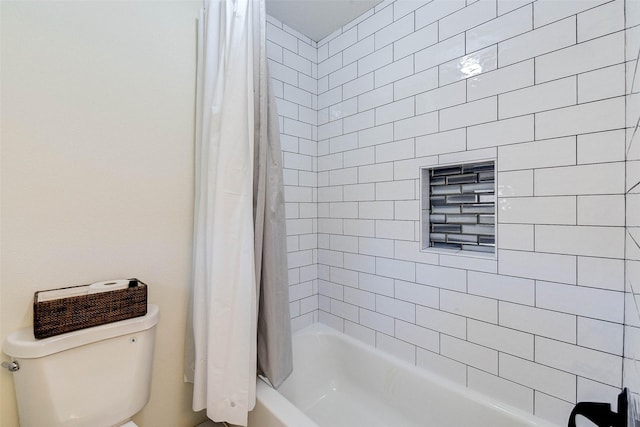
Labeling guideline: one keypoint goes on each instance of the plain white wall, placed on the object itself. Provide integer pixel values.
(97, 166)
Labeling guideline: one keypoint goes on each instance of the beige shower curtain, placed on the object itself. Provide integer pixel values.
(239, 310)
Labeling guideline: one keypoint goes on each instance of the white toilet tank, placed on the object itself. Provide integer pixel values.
(95, 377)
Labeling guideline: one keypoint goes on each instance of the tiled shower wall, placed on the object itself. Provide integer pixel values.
(540, 87)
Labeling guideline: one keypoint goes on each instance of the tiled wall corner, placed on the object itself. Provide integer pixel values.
(293, 65)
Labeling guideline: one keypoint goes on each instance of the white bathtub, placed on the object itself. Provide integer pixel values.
(340, 382)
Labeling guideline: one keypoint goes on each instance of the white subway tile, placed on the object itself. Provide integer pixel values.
(296, 62)
(443, 366)
(586, 56)
(471, 113)
(377, 284)
(538, 321)
(360, 298)
(375, 247)
(395, 190)
(329, 98)
(377, 321)
(359, 121)
(395, 71)
(359, 227)
(396, 308)
(551, 409)
(330, 65)
(418, 294)
(502, 132)
(538, 154)
(376, 173)
(358, 192)
(442, 277)
(376, 22)
(415, 41)
(599, 335)
(471, 306)
(469, 17)
(393, 32)
(330, 320)
(376, 210)
(343, 75)
(501, 389)
(343, 143)
(505, 79)
(541, 97)
(447, 323)
(504, 288)
(298, 259)
(355, 87)
(591, 391)
(296, 128)
(396, 269)
(403, 7)
(581, 361)
(344, 310)
(515, 236)
(376, 60)
(602, 273)
(443, 97)
(407, 210)
(589, 302)
(410, 169)
(363, 263)
(410, 251)
(375, 135)
(514, 184)
(435, 10)
(546, 11)
(359, 157)
(439, 53)
(343, 41)
(471, 354)
(375, 98)
(343, 210)
(539, 377)
(307, 51)
(361, 333)
(424, 338)
(600, 84)
(601, 147)
(475, 63)
(331, 290)
(502, 339)
(537, 42)
(395, 347)
(601, 210)
(441, 142)
(397, 110)
(605, 178)
(401, 230)
(398, 150)
(475, 263)
(281, 38)
(415, 126)
(358, 50)
(533, 265)
(537, 210)
(416, 83)
(502, 28)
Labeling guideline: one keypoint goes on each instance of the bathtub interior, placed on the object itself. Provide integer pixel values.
(339, 381)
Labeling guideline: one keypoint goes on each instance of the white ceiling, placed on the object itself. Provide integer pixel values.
(317, 18)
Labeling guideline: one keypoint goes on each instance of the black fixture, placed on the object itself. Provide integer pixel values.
(600, 413)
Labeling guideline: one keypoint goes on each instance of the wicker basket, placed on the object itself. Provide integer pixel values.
(54, 317)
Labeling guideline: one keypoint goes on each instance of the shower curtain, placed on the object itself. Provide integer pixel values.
(239, 308)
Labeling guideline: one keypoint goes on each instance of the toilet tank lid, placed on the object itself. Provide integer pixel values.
(22, 343)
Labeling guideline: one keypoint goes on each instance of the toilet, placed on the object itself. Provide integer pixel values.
(94, 377)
